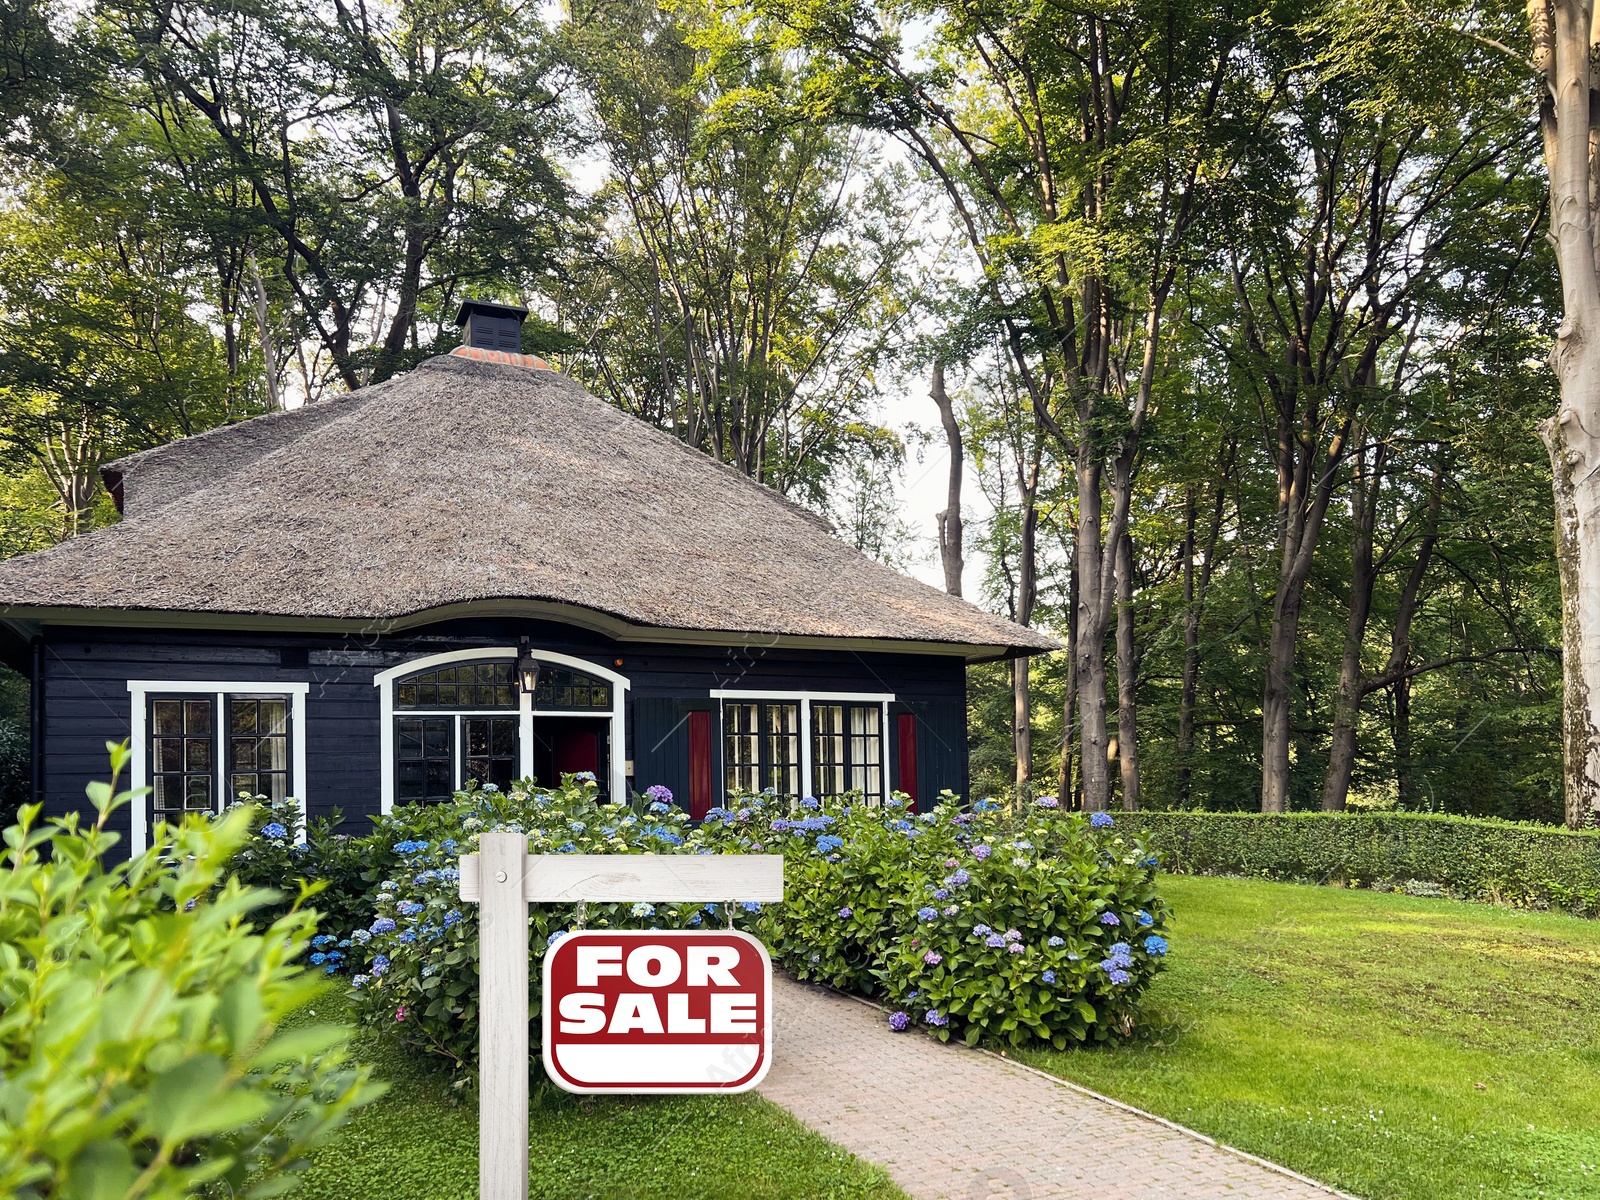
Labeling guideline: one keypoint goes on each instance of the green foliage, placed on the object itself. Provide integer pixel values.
(1502, 862)
(983, 925)
(923, 911)
(140, 1050)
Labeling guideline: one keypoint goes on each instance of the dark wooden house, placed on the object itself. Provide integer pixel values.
(476, 570)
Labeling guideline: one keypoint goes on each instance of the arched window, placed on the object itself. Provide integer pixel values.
(462, 714)
(454, 723)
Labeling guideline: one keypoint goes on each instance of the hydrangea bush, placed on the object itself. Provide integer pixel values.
(978, 923)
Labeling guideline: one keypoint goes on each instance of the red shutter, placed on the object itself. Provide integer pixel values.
(699, 765)
(906, 751)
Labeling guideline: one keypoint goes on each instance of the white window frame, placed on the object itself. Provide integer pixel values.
(385, 680)
(754, 695)
(140, 691)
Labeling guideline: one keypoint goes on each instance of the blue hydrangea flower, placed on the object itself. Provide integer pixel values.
(847, 912)
(982, 930)
(380, 964)
(936, 1018)
(985, 806)
(751, 906)
(361, 937)
(959, 879)
(927, 913)
(1122, 952)
(567, 848)
(1101, 820)
(828, 843)
(696, 919)
(274, 831)
(941, 894)
(452, 917)
(317, 959)
(1145, 919)
(323, 939)
(408, 908)
(1155, 944)
(1047, 802)
(409, 936)
(659, 808)
(1056, 941)
(1109, 918)
(994, 941)
(410, 847)
(1118, 975)
(899, 1021)
(642, 909)
(382, 925)
(585, 777)
(577, 826)
(359, 980)
(810, 802)
(555, 936)
(1047, 976)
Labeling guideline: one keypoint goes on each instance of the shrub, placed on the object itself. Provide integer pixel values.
(877, 902)
(1471, 858)
(140, 1049)
(1037, 924)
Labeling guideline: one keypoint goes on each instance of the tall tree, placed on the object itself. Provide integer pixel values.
(1564, 40)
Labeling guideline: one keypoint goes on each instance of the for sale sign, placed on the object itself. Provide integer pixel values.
(657, 1011)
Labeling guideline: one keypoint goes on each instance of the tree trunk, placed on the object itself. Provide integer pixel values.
(1066, 785)
(1088, 648)
(269, 353)
(1021, 724)
(1127, 678)
(949, 520)
(1364, 489)
(1405, 782)
(1276, 701)
(1191, 657)
(1027, 594)
(1562, 34)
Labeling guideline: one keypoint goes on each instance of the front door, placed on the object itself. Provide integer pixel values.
(568, 745)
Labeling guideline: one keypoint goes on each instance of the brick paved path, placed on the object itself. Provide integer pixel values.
(948, 1122)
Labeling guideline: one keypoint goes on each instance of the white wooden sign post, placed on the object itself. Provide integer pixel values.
(503, 879)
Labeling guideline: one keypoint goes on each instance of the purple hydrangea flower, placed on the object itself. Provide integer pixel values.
(1016, 947)
(899, 1021)
(959, 878)
(1047, 802)
(847, 912)
(1109, 918)
(933, 958)
(952, 910)
(941, 894)
(994, 940)
(927, 913)
(936, 1018)
(982, 851)
(1013, 935)
(658, 794)
(982, 930)
(1101, 820)
(1118, 975)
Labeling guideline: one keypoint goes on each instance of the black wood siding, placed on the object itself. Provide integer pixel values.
(86, 700)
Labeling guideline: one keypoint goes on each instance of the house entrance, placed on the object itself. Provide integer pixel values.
(567, 745)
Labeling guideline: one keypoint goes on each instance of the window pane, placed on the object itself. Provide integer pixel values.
(197, 716)
(167, 716)
(196, 754)
(460, 685)
(244, 716)
(274, 716)
(244, 754)
(272, 754)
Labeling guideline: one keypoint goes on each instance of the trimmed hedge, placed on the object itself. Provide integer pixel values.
(1469, 858)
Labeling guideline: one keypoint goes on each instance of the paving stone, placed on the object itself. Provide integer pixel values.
(949, 1123)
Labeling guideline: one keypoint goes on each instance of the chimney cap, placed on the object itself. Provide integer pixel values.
(490, 308)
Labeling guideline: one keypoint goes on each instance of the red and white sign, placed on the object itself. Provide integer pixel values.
(629, 1010)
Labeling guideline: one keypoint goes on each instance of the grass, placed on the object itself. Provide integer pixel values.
(1395, 1047)
(418, 1142)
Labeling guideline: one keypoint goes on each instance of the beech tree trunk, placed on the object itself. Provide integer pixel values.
(1563, 38)
(1027, 594)
(949, 521)
(1066, 785)
(1127, 678)
(1364, 490)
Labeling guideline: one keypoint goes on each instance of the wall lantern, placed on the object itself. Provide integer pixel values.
(527, 669)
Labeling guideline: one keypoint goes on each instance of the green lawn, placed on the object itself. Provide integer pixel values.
(414, 1144)
(1394, 1047)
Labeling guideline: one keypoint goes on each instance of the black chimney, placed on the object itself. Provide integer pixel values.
(490, 326)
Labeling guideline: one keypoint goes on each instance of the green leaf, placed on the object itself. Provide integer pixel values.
(102, 1170)
(306, 1042)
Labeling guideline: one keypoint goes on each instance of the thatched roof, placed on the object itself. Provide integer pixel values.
(482, 484)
